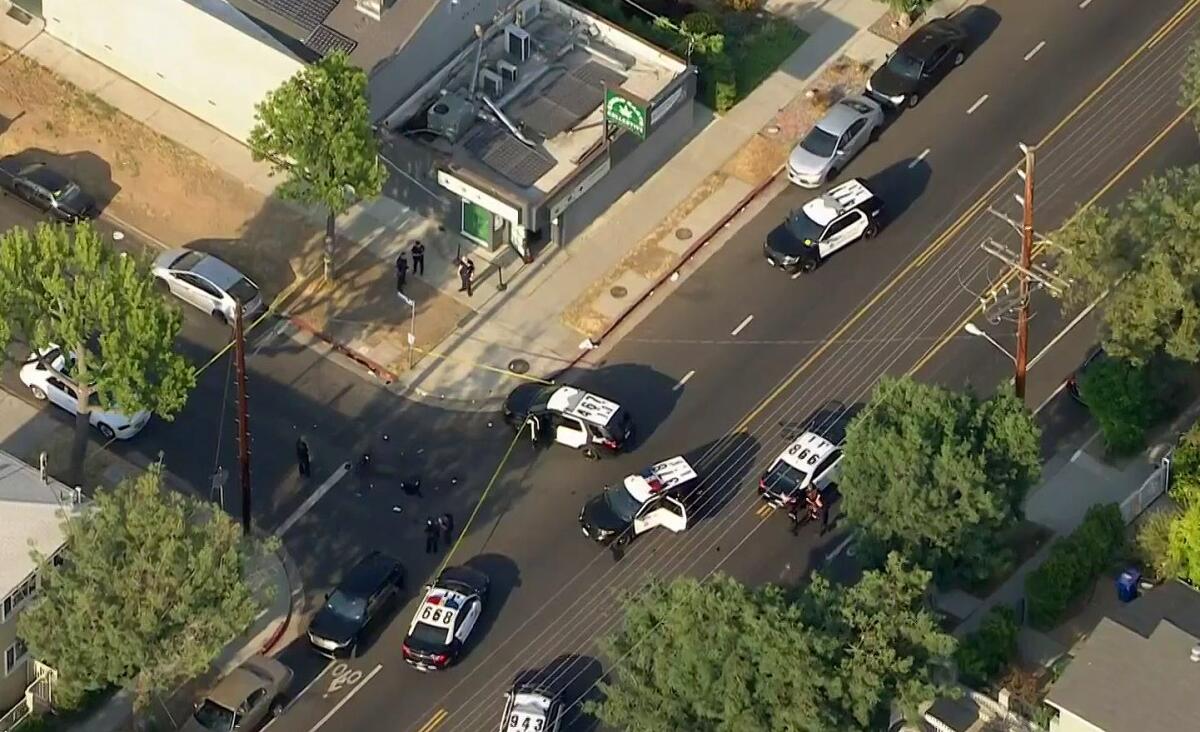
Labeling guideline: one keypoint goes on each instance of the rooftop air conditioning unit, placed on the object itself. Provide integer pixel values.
(517, 42)
(493, 83)
(451, 116)
(528, 11)
(507, 70)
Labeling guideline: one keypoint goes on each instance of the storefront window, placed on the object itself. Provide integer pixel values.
(477, 223)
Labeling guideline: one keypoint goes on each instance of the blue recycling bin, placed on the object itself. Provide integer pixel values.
(1127, 585)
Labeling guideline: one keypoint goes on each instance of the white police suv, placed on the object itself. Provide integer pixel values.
(828, 223)
(652, 498)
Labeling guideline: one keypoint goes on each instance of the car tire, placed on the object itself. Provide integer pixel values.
(831, 174)
(624, 539)
(807, 266)
(960, 57)
(220, 317)
(38, 393)
(912, 100)
(106, 432)
(277, 707)
(354, 649)
(590, 453)
(871, 230)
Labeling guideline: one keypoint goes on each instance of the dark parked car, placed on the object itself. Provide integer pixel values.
(919, 63)
(48, 190)
(365, 596)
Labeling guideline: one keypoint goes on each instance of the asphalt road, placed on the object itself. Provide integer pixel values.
(692, 369)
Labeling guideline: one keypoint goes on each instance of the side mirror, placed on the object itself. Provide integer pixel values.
(840, 152)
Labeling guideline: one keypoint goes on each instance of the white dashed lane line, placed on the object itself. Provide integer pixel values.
(978, 103)
(686, 377)
(1036, 48)
(917, 160)
(1084, 4)
(742, 325)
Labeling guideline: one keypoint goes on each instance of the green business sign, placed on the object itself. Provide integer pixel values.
(625, 112)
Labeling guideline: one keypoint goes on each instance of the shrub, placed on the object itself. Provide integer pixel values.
(1122, 398)
(1185, 468)
(742, 6)
(1153, 543)
(722, 81)
(701, 22)
(1073, 565)
(910, 8)
(1183, 545)
(988, 651)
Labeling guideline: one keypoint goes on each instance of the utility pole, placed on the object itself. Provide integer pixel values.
(239, 367)
(1026, 261)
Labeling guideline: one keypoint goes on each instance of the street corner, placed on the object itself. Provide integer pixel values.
(361, 314)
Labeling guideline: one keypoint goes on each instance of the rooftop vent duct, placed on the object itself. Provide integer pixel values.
(451, 116)
(493, 83)
(527, 11)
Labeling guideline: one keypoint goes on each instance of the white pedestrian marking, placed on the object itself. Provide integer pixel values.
(839, 548)
(312, 499)
(684, 380)
(344, 699)
(917, 160)
(742, 325)
(1036, 48)
(978, 103)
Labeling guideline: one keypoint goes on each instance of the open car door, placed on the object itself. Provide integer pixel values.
(664, 511)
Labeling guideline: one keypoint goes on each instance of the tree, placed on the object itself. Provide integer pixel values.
(152, 587)
(877, 643)
(1144, 255)
(937, 474)
(316, 128)
(65, 287)
(717, 656)
(1122, 397)
(1189, 91)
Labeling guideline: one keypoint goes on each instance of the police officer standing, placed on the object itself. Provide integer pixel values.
(418, 255)
(401, 272)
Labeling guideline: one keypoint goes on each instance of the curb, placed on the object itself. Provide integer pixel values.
(294, 587)
(383, 374)
(702, 240)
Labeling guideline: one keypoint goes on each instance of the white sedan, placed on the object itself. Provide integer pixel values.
(208, 283)
(46, 386)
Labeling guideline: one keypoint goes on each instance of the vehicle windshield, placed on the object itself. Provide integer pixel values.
(424, 634)
(783, 479)
(243, 291)
(804, 228)
(901, 64)
(66, 191)
(344, 606)
(213, 716)
(622, 504)
(819, 143)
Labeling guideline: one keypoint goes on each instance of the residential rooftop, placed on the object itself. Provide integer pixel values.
(30, 518)
(546, 73)
(313, 28)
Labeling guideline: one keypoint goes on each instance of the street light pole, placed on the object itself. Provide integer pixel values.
(1022, 358)
(977, 331)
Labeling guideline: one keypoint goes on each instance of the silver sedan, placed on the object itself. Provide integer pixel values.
(830, 145)
(208, 283)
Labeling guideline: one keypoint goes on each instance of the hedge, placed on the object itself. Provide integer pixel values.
(982, 655)
(1073, 565)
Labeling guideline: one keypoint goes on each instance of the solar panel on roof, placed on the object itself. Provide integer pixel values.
(308, 14)
(510, 157)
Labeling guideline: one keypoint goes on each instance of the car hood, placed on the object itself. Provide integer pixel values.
(598, 515)
(782, 242)
(332, 627)
(520, 399)
(805, 163)
(890, 84)
(78, 202)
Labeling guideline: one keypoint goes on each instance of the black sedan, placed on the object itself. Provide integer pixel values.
(367, 594)
(48, 190)
(919, 63)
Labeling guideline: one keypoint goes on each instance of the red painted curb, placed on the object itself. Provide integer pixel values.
(383, 374)
(691, 252)
(287, 620)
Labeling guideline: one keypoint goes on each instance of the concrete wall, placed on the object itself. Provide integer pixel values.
(201, 55)
(634, 161)
(439, 35)
(12, 687)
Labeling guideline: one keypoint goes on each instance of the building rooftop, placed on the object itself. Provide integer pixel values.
(30, 519)
(523, 108)
(313, 28)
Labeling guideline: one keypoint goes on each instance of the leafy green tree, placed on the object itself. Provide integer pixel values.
(938, 474)
(316, 128)
(877, 642)
(1121, 396)
(153, 586)
(721, 657)
(66, 287)
(1143, 254)
(1189, 91)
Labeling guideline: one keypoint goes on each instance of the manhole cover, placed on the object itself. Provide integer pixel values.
(618, 292)
(683, 233)
(518, 366)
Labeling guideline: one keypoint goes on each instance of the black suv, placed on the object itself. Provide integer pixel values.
(47, 190)
(919, 63)
(367, 593)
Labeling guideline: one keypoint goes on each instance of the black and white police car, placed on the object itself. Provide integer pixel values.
(655, 497)
(812, 460)
(532, 708)
(828, 223)
(448, 613)
(571, 417)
